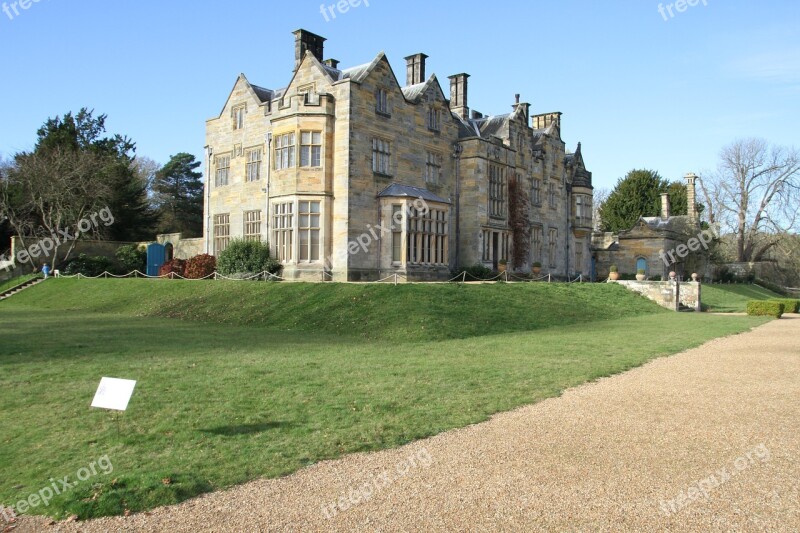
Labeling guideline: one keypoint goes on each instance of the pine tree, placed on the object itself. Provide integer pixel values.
(178, 191)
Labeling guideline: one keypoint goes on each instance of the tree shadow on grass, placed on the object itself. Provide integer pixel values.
(246, 429)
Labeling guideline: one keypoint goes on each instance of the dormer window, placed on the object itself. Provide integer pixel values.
(434, 116)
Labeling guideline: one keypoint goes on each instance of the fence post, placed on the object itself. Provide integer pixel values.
(464, 277)
(548, 277)
(395, 278)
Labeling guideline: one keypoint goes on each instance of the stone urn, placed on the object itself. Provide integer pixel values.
(672, 275)
(613, 275)
(641, 277)
(695, 277)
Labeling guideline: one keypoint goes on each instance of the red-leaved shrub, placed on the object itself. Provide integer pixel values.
(200, 266)
(176, 266)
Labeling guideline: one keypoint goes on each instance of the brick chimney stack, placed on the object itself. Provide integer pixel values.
(665, 206)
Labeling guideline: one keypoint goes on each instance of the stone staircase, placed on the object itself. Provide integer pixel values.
(21, 287)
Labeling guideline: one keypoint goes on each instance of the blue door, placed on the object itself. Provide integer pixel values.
(155, 258)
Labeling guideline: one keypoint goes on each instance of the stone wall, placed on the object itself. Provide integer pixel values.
(664, 293)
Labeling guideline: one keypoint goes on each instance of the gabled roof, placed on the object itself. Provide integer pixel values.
(492, 126)
(398, 190)
(414, 92)
(260, 94)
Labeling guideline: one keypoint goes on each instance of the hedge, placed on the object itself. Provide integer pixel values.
(791, 306)
(765, 308)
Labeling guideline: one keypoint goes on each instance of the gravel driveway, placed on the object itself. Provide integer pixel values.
(708, 439)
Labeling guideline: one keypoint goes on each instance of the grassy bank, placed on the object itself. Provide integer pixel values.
(398, 313)
(733, 298)
(218, 404)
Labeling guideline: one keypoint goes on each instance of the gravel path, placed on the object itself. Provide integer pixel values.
(708, 439)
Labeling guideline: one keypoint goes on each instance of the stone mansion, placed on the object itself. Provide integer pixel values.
(350, 175)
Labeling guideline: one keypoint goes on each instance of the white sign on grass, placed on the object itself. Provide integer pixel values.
(113, 393)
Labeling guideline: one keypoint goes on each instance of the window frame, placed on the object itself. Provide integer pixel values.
(222, 221)
(253, 164)
(382, 102)
(283, 230)
(309, 153)
(381, 156)
(285, 150)
(305, 251)
(251, 225)
(222, 173)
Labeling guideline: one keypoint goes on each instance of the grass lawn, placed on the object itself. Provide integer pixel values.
(733, 298)
(300, 373)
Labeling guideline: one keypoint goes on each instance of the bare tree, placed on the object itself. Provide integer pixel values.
(755, 195)
(45, 194)
(598, 199)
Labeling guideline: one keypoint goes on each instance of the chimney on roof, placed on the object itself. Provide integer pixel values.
(691, 196)
(306, 41)
(333, 63)
(665, 206)
(476, 114)
(526, 108)
(458, 95)
(415, 69)
(543, 121)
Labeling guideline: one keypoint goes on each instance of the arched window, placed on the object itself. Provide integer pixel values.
(641, 264)
(168, 253)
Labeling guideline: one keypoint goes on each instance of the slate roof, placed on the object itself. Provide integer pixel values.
(398, 190)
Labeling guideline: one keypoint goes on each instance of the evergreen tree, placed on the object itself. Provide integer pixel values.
(638, 194)
(178, 194)
(134, 220)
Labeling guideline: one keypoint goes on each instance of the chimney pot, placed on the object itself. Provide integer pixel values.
(476, 115)
(333, 63)
(516, 98)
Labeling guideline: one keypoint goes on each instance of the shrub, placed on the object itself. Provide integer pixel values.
(641, 271)
(200, 266)
(478, 272)
(273, 266)
(131, 257)
(536, 264)
(243, 256)
(613, 268)
(89, 266)
(176, 266)
(765, 308)
(790, 305)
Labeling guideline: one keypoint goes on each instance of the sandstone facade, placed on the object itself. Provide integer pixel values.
(350, 175)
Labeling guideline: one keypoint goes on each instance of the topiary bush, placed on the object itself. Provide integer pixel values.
(176, 266)
(88, 266)
(131, 257)
(765, 308)
(790, 305)
(200, 266)
(244, 256)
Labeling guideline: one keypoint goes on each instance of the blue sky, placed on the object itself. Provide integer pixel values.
(637, 88)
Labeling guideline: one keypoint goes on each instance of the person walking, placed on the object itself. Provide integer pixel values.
(46, 270)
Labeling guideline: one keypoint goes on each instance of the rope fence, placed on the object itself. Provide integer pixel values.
(463, 277)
